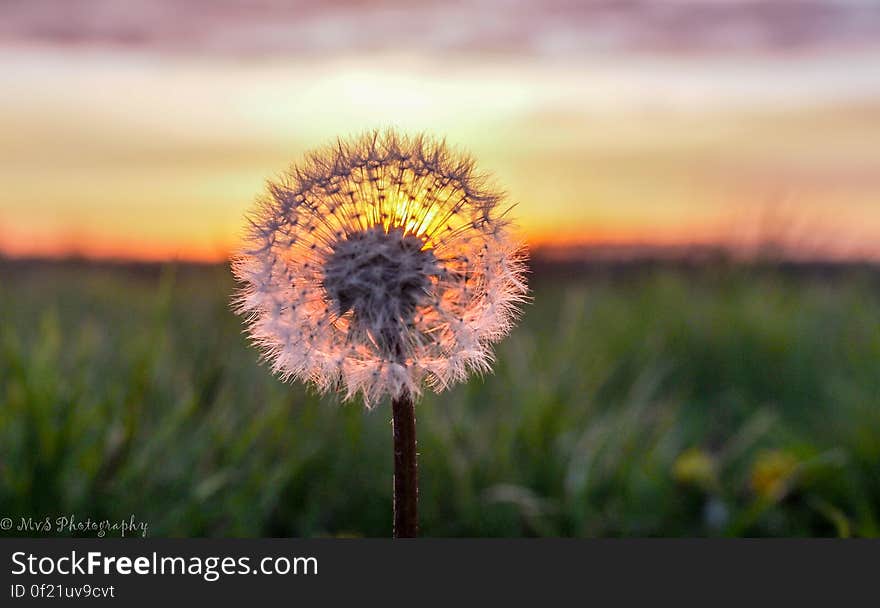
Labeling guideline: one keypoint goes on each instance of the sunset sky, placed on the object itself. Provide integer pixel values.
(144, 129)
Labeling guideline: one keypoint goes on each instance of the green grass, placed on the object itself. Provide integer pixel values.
(668, 403)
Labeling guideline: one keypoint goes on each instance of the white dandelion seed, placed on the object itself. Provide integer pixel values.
(379, 265)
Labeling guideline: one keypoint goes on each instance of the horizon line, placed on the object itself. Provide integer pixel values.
(542, 252)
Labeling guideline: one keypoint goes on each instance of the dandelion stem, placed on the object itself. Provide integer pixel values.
(406, 472)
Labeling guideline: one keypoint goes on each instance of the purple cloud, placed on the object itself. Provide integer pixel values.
(547, 28)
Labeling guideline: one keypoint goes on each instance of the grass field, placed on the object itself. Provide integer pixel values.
(657, 402)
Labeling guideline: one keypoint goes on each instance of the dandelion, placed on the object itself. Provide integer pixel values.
(379, 266)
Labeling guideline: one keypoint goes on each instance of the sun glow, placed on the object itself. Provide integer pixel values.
(159, 157)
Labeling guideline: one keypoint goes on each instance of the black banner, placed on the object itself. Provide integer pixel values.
(229, 572)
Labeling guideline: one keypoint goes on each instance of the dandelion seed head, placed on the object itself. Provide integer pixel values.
(380, 265)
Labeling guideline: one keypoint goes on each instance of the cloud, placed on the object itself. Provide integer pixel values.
(548, 28)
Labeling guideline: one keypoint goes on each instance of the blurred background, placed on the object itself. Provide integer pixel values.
(699, 183)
